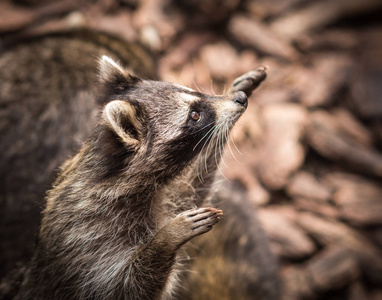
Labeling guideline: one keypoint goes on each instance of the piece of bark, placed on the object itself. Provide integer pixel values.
(179, 57)
(359, 201)
(251, 32)
(267, 9)
(207, 12)
(164, 25)
(330, 74)
(337, 179)
(365, 85)
(278, 72)
(221, 59)
(13, 17)
(282, 152)
(367, 92)
(273, 96)
(56, 8)
(119, 24)
(238, 166)
(224, 63)
(329, 231)
(304, 184)
(296, 284)
(327, 140)
(319, 14)
(332, 268)
(287, 239)
(376, 294)
(193, 74)
(318, 84)
(377, 236)
(328, 40)
(357, 291)
(376, 127)
(311, 205)
(287, 211)
(352, 127)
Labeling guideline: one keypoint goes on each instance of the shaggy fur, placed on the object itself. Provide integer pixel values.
(119, 211)
(235, 262)
(48, 87)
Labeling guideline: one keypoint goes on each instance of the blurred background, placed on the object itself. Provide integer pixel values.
(308, 151)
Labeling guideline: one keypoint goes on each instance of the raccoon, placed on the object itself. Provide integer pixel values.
(47, 114)
(121, 209)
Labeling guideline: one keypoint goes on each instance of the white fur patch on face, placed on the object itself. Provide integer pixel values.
(187, 97)
(179, 114)
(183, 103)
(225, 109)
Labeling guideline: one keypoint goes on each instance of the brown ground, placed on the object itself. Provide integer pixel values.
(310, 143)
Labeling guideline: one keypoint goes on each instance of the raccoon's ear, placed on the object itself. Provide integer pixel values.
(122, 118)
(113, 76)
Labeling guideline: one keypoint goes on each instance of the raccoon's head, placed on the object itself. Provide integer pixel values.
(162, 127)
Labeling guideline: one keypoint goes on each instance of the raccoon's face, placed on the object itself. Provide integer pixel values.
(167, 124)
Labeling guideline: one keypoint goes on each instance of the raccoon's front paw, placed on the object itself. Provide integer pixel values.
(192, 223)
(249, 81)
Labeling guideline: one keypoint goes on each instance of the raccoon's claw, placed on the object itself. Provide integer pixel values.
(205, 219)
(249, 81)
(192, 223)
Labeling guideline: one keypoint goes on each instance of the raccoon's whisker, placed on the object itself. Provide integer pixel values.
(226, 138)
(198, 168)
(197, 86)
(204, 127)
(216, 147)
(210, 140)
(209, 134)
(200, 175)
(210, 137)
(220, 146)
(212, 88)
(228, 142)
(221, 172)
(235, 145)
(193, 149)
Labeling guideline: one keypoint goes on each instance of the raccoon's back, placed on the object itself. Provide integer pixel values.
(47, 93)
(47, 109)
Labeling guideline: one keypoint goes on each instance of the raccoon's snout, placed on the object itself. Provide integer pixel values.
(241, 98)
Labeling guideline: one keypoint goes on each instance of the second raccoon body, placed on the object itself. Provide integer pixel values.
(123, 206)
(48, 87)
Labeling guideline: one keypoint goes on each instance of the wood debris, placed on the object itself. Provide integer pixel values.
(309, 147)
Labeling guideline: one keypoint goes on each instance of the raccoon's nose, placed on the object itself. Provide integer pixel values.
(241, 98)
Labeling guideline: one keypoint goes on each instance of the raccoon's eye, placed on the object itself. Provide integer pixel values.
(195, 115)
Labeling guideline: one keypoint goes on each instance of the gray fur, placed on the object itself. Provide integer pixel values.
(119, 211)
(48, 108)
